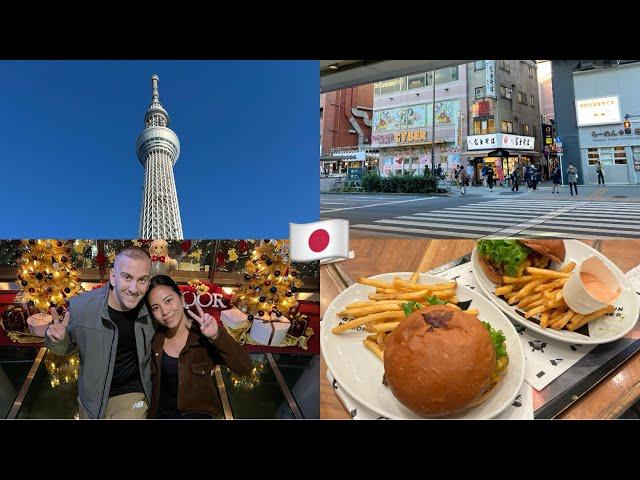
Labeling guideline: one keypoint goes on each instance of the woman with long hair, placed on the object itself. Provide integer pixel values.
(185, 351)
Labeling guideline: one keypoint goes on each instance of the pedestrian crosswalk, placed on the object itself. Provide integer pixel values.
(517, 218)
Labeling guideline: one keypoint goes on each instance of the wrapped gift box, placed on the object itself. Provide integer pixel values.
(234, 318)
(39, 323)
(269, 329)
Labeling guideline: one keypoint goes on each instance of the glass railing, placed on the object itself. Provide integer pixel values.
(280, 386)
(15, 364)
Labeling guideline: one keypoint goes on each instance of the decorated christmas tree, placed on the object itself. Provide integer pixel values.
(46, 273)
(270, 283)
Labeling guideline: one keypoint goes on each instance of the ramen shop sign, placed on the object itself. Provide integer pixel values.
(411, 137)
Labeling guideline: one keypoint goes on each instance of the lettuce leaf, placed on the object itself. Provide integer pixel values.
(497, 339)
(508, 253)
(410, 307)
(433, 300)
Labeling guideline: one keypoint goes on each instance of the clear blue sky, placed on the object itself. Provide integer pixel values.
(249, 146)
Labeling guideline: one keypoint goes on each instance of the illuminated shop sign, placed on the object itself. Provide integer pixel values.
(597, 111)
(411, 137)
(500, 140)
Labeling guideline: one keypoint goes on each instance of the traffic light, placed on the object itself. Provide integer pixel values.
(627, 127)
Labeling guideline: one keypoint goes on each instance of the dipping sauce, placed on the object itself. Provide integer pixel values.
(597, 289)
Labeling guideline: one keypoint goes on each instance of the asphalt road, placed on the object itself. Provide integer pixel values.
(596, 213)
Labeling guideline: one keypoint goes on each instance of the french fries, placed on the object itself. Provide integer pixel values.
(383, 311)
(540, 293)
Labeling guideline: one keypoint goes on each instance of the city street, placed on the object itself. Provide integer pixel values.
(598, 212)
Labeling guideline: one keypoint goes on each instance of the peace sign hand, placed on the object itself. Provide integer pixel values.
(58, 329)
(208, 324)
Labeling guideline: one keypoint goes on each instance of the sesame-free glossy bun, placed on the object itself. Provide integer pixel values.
(553, 249)
(438, 361)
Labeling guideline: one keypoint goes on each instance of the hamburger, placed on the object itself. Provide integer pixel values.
(440, 361)
(507, 257)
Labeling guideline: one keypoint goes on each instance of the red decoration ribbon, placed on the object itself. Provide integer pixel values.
(157, 259)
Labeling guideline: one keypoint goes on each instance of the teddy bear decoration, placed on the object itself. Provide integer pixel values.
(161, 262)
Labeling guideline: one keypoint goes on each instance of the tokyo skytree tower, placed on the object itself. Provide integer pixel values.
(158, 149)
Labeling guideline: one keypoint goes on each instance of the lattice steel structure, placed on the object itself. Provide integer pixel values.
(158, 149)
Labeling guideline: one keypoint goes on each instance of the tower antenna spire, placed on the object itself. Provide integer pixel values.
(155, 95)
(158, 149)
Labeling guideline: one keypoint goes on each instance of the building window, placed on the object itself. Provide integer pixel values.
(515, 124)
(533, 130)
(444, 75)
(608, 155)
(530, 71)
(479, 65)
(531, 102)
(525, 129)
(620, 155)
(391, 86)
(636, 157)
(507, 127)
(416, 81)
(482, 126)
(481, 92)
(505, 92)
(505, 65)
(521, 98)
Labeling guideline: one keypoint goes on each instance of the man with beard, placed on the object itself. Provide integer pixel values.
(112, 331)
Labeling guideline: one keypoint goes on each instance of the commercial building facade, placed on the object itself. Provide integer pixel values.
(403, 120)
(345, 129)
(504, 116)
(606, 91)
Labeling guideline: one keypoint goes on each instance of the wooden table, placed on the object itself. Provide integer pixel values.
(609, 399)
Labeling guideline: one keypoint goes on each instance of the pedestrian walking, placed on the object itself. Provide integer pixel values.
(535, 177)
(515, 180)
(500, 172)
(527, 177)
(572, 178)
(463, 181)
(600, 173)
(556, 177)
(489, 175)
(470, 170)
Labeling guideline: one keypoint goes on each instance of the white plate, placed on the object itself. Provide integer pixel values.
(360, 372)
(607, 329)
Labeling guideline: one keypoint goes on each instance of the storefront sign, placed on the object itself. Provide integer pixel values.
(612, 135)
(597, 111)
(547, 131)
(382, 139)
(411, 137)
(517, 142)
(454, 149)
(490, 84)
(504, 140)
(482, 142)
(349, 155)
